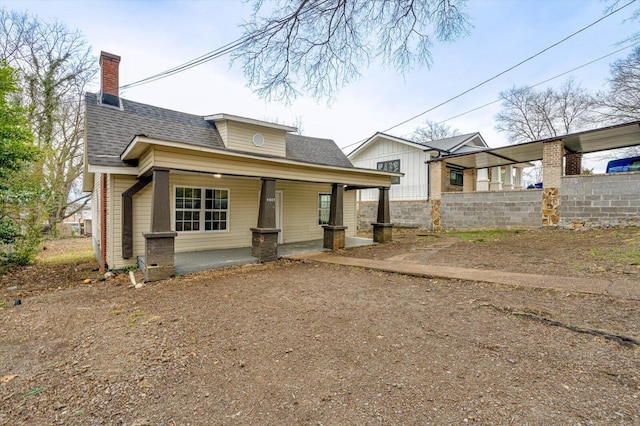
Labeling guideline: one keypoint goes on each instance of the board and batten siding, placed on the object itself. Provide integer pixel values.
(239, 136)
(413, 185)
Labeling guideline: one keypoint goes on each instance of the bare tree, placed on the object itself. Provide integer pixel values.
(528, 115)
(633, 16)
(55, 65)
(622, 101)
(320, 46)
(433, 131)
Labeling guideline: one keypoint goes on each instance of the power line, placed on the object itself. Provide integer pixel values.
(509, 69)
(546, 81)
(218, 52)
(533, 85)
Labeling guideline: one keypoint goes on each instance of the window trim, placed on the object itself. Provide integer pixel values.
(396, 179)
(202, 210)
(318, 209)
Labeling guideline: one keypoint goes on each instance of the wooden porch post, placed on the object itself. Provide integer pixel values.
(160, 241)
(334, 232)
(382, 227)
(264, 238)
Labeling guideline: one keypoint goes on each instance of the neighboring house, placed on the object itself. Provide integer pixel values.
(409, 193)
(166, 181)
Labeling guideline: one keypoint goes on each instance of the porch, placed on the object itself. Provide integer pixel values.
(189, 262)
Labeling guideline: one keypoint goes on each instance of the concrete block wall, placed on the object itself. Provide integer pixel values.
(600, 200)
(414, 214)
(491, 210)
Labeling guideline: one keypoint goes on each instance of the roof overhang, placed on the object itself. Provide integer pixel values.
(140, 144)
(380, 135)
(230, 117)
(612, 137)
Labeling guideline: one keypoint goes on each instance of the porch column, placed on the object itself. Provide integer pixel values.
(573, 164)
(552, 153)
(436, 186)
(508, 178)
(518, 182)
(382, 227)
(496, 179)
(160, 242)
(334, 235)
(482, 183)
(469, 180)
(264, 238)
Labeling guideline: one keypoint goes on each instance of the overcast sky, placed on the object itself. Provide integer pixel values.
(152, 36)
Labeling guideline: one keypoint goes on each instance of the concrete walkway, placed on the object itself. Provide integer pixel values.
(568, 284)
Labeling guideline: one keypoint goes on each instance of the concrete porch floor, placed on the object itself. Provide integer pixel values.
(188, 262)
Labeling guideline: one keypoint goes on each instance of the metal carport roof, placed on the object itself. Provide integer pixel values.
(612, 137)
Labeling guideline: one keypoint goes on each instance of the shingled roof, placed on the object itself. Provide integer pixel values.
(315, 150)
(109, 130)
(449, 144)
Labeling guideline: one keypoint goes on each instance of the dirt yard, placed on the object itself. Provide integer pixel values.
(301, 343)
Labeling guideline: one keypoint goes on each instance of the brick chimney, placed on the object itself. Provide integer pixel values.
(109, 79)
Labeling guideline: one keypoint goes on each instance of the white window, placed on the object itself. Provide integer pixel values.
(201, 209)
(324, 206)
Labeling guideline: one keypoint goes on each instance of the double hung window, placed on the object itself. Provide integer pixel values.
(201, 209)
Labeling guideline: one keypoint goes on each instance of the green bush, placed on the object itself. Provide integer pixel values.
(25, 248)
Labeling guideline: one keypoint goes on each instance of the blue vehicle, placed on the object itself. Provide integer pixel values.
(631, 164)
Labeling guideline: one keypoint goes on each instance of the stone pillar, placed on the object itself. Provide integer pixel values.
(573, 164)
(160, 242)
(518, 182)
(552, 153)
(435, 193)
(482, 182)
(469, 180)
(382, 227)
(496, 179)
(264, 238)
(508, 178)
(334, 235)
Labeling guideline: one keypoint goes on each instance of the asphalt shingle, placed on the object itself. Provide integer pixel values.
(109, 130)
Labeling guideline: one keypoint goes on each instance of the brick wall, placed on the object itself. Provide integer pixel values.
(413, 214)
(491, 210)
(600, 200)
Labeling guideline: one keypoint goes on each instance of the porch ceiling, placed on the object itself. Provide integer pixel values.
(619, 136)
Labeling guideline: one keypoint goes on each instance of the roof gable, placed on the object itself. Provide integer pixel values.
(383, 136)
(109, 131)
(454, 143)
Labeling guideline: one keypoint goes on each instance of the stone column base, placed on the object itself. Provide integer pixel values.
(264, 244)
(436, 225)
(158, 255)
(382, 232)
(550, 207)
(334, 237)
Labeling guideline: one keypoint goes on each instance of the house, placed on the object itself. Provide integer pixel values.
(167, 182)
(409, 193)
